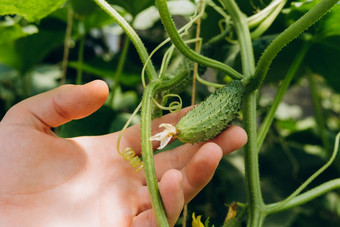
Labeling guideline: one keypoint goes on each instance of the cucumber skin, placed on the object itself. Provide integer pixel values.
(212, 116)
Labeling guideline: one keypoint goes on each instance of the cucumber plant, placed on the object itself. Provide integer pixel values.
(225, 102)
(214, 114)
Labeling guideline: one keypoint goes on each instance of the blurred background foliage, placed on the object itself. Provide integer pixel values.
(33, 60)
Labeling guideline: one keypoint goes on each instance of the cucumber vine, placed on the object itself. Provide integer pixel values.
(160, 86)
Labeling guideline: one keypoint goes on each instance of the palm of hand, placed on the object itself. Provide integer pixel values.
(50, 181)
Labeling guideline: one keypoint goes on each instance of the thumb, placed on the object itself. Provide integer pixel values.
(58, 106)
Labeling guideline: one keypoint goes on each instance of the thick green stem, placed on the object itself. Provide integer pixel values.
(184, 49)
(286, 37)
(264, 128)
(255, 203)
(147, 154)
(131, 33)
(147, 151)
(243, 36)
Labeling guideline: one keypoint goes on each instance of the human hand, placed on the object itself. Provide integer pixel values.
(50, 181)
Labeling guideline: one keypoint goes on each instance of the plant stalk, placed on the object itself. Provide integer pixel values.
(147, 154)
(147, 151)
(256, 213)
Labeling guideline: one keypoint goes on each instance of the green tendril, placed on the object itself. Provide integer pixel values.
(173, 106)
(208, 83)
(184, 49)
(166, 60)
(183, 31)
(128, 154)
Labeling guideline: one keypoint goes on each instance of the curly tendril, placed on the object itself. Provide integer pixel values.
(173, 106)
(182, 31)
(128, 154)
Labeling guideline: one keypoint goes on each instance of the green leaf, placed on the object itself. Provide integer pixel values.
(297, 9)
(330, 24)
(11, 30)
(32, 10)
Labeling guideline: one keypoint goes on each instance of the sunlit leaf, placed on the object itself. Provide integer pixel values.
(32, 10)
(330, 24)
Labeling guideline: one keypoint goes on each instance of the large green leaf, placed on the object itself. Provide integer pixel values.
(32, 10)
(330, 24)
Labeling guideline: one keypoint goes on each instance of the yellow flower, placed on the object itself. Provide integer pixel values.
(196, 222)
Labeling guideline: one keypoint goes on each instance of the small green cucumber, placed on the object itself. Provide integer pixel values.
(211, 116)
